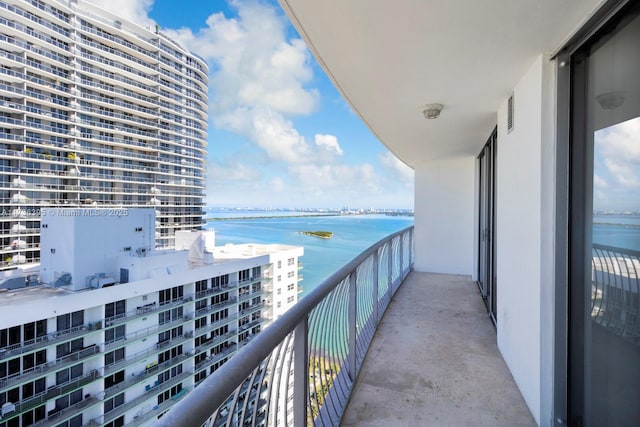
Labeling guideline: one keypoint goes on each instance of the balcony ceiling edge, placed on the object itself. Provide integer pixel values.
(388, 60)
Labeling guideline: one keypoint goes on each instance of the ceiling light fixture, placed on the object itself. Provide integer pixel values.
(432, 111)
(610, 100)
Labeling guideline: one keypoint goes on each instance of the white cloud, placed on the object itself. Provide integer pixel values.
(397, 169)
(618, 149)
(260, 78)
(617, 167)
(255, 64)
(621, 141)
(136, 11)
(232, 171)
(599, 182)
(269, 130)
(328, 143)
(624, 173)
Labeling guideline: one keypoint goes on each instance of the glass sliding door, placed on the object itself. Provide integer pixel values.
(604, 235)
(486, 225)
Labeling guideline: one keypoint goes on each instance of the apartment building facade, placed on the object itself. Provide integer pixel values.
(117, 335)
(95, 111)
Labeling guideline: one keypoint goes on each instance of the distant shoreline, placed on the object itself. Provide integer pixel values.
(237, 218)
(313, 215)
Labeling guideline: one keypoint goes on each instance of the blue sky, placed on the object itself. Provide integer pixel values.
(280, 135)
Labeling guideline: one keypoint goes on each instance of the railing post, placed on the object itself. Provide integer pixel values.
(390, 268)
(376, 303)
(300, 373)
(401, 272)
(353, 329)
(411, 243)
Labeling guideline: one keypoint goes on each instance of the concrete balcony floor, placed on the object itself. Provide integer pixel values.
(434, 362)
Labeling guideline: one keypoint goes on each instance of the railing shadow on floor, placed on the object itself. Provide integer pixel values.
(317, 346)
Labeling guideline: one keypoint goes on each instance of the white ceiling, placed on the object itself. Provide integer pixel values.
(389, 58)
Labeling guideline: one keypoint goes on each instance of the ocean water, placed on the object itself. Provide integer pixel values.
(622, 231)
(354, 233)
(351, 235)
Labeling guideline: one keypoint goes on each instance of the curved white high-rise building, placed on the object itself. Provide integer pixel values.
(95, 110)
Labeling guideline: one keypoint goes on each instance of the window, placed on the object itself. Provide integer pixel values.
(169, 393)
(114, 402)
(279, 264)
(68, 400)
(279, 304)
(10, 336)
(118, 422)
(73, 422)
(220, 281)
(113, 379)
(70, 320)
(291, 286)
(201, 322)
(170, 334)
(255, 272)
(115, 309)
(243, 275)
(33, 388)
(219, 315)
(170, 373)
(290, 299)
(69, 374)
(69, 347)
(291, 274)
(168, 295)
(170, 315)
(114, 334)
(170, 354)
(113, 356)
(290, 261)
(33, 416)
(199, 376)
(201, 285)
(218, 299)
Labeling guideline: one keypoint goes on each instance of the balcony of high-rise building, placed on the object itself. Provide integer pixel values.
(513, 301)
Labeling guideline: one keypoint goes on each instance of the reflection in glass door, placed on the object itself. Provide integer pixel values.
(604, 288)
(486, 225)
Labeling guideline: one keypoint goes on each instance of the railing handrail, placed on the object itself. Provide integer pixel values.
(616, 249)
(215, 390)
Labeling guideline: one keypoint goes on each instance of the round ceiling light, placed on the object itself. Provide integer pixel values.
(432, 111)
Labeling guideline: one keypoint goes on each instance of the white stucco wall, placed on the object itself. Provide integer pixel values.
(444, 216)
(518, 238)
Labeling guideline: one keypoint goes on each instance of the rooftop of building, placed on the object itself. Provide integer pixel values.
(248, 250)
(222, 255)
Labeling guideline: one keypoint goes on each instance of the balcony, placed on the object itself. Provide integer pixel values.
(339, 347)
(449, 368)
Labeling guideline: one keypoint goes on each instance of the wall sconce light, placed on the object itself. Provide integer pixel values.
(432, 111)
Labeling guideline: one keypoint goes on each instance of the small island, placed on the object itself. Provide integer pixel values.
(318, 234)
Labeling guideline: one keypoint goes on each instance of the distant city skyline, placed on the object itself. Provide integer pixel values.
(280, 135)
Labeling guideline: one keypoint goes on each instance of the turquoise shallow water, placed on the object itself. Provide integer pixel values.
(351, 235)
(622, 231)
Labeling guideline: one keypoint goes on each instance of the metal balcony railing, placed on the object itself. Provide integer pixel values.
(615, 291)
(302, 368)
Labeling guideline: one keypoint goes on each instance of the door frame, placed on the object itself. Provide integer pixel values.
(571, 197)
(486, 232)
